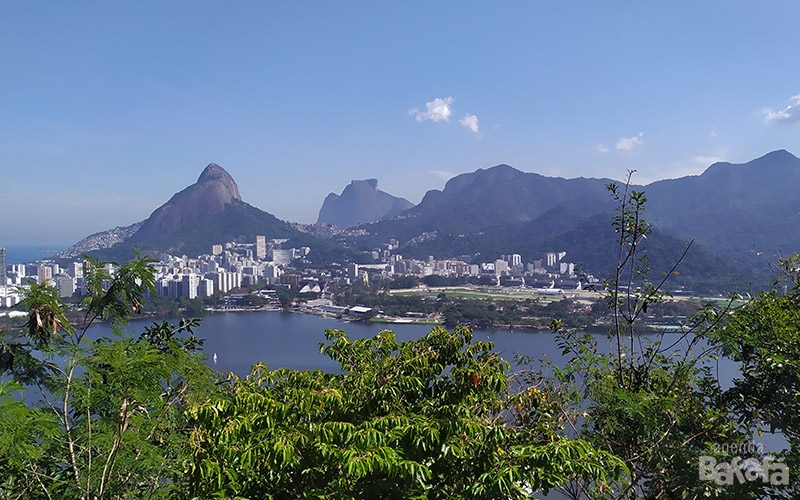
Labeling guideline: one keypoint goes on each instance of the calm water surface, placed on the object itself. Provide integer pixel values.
(290, 340)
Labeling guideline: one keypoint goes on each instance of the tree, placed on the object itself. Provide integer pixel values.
(649, 399)
(763, 337)
(108, 421)
(286, 298)
(417, 419)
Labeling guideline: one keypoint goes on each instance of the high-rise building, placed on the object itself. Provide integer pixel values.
(44, 274)
(76, 270)
(205, 288)
(352, 271)
(226, 281)
(65, 285)
(261, 247)
(189, 285)
(2, 267)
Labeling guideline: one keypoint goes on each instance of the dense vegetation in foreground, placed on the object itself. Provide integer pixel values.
(439, 417)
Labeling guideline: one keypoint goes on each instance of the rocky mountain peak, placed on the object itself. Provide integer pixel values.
(373, 183)
(214, 189)
(361, 201)
(215, 173)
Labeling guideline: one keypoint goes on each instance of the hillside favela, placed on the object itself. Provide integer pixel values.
(445, 251)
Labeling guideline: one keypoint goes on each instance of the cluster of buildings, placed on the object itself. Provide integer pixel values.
(551, 266)
(226, 268)
(506, 265)
(231, 266)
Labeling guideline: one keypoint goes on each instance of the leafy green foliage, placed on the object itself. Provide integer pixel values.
(21, 431)
(763, 336)
(121, 298)
(109, 419)
(419, 419)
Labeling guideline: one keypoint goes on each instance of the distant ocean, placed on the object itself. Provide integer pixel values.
(21, 254)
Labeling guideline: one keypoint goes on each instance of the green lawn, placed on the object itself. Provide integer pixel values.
(490, 294)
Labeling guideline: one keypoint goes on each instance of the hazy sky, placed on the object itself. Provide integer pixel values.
(109, 108)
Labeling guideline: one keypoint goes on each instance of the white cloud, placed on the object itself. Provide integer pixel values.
(787, 115)
(707, 160)
(602, 148)
(470, 121)
(436, 110)
(440, 110)
(713, 132)
(628, 143)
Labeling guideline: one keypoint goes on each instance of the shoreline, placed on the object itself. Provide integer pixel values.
(432, 321)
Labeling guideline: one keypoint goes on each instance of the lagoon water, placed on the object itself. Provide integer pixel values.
(290, 340)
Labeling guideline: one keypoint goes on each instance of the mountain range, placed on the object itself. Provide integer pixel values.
(749, 208)
(740, 216)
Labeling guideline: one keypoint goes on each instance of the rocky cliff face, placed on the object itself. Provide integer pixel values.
(360, 202)
(214, 189)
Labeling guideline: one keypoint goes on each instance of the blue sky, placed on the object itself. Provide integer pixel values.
(109, 108)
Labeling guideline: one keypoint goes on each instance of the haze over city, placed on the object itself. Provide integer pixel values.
(109, 109)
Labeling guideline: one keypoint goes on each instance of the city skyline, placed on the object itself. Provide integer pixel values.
(108, 110)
